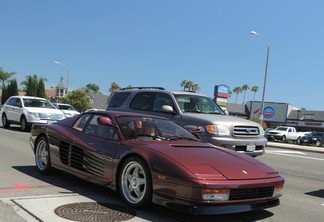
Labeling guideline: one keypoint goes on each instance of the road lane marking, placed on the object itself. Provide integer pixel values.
(286, 151)
(303, 157)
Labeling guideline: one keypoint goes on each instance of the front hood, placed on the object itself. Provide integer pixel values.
(43, 110)
(205, 161)
(220, 119)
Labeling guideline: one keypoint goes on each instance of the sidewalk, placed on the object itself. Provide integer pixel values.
(296, 147)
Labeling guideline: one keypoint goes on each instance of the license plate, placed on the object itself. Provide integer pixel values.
(250, 148)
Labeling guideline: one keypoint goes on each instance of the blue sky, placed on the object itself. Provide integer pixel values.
(161, 43)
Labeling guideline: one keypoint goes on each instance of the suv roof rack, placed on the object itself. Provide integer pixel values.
(160, 88)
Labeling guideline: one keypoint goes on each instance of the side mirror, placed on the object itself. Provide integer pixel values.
(101, 120)
(167, 109)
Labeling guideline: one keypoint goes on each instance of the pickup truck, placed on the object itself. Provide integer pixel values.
(285, 133)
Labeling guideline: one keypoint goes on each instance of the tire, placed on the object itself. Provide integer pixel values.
(318, 143)
(135, 183)
(283, 138)
(5, 122)
(23, 124)
(42, 156)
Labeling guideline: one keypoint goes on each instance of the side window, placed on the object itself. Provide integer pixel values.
(118, 99)
(11, 101)
(94, 128)
(160, 100)
(18, 102)
(143, 101)
(81, 122)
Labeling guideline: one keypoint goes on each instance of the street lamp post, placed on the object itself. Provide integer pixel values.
(68, 69)
(266, 73)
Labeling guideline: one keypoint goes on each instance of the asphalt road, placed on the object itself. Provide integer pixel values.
(26, 195)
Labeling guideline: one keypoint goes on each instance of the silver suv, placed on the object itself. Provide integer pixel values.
(197, 113)
(26, 110)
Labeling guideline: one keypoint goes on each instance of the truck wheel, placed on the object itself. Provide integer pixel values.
(318, 143)
(283, 138)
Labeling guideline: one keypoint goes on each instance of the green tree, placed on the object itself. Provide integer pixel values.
(113, 87)
(244, 88)
(254, 89)
(184, 84)
(237, 90)
(4, 76)
(9, 90)
(34, 86)
(79, 100)
(92, 88)
(41, 89)
(195, 87)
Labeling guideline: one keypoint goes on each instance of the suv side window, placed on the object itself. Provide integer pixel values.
(160, 100)
(118, 99)
(143, 101)
(11, 101)
(151, 101)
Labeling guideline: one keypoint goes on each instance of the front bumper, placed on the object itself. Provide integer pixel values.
(240, 145)
(193, 208)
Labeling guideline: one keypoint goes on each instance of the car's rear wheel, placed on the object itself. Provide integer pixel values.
(42, 156)
(135, 182)
(5, 122)
(23, 124)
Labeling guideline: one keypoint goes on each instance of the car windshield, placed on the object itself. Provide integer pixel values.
(147, 128)
(65, 107)
(39, 103)
(197, 104)
(281, 128)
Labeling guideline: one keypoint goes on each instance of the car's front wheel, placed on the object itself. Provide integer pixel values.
(42, 156)
(135, 182)
(23, 124)
(5, 122)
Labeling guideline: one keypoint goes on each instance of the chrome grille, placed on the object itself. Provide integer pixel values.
(246, 131)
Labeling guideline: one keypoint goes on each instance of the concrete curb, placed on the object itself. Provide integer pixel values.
(296, 147)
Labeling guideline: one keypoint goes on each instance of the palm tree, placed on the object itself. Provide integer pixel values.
(4, 76)
(254, 89)
(184, 84)
(195, 87)
(190, 85)
(244, 88)
(237, 90)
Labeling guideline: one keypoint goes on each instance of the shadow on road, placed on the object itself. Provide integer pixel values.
(74, 185)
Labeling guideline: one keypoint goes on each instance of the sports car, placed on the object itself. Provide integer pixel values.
(151, 159)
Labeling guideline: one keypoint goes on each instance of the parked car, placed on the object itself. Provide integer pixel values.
(193, 111)
(285, 133)
(316, 138)
(26, 110)
(67, 109)
(266, 132)
(151, 159)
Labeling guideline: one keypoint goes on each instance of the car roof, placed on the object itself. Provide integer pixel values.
(160, 89)
(27, 97)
